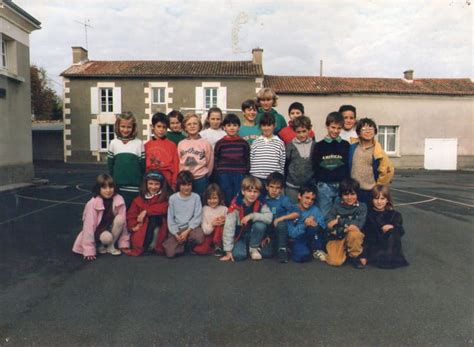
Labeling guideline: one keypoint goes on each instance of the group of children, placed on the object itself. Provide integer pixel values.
(220, 190)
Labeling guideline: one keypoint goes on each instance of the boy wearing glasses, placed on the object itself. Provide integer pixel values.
(368, 163)
(345, 221)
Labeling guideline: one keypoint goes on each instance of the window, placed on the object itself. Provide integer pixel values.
(106, 135)
(3, 56)
(387, 136)
(106, 100)
(210, 97)
(158, 95)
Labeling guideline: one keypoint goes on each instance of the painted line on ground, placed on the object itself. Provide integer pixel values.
(415, 202)
(78, 187)
(41, 209)
(48, 200)
(433, 197)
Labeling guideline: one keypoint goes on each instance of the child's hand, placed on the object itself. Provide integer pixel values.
(89, 257)
(136, 227)
(246, 219)
(387, 227)
(265, 241)
(141, 216)
(310, 222)
(276, 221)
(183, 236)
(332, 223)
(218, 221)
(351, 228)
(227, 257)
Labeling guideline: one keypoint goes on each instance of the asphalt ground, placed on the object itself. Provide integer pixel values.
(51, 297)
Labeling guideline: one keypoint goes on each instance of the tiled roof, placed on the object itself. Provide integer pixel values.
(165, 69)
(313, 85)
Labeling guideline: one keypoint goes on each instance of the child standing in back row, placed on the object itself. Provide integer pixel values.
(213, 126)
(267, 99)
(196, 154)
(249, 130)
(126, 157)
(348, 131)
(287, 134)
(175, 133)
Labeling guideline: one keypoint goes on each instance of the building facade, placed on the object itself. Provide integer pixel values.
(16, 159)
(417, 118)
(95, 91)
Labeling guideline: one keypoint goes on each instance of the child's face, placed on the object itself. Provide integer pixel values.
(126, 127)
(213, 200)
(159, 130)
(231, 129)
(192, 126)
(334, 129)
(250, 114)
(267, 130)
(106, 192)
(153, 186)
(250, 195)
(186, 189)
(306, 200)
(349, 119)
(349, 198)
(367, 133)
(274, 190)
(175, 124)
(266, 103)
(380, 202)
(302, 134)
(215, 120)
(294, 113)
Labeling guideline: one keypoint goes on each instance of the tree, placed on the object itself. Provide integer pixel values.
(45, 103)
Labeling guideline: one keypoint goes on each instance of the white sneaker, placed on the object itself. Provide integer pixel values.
(101, 249)
(255, 254)
(114, 251)
(321, 255)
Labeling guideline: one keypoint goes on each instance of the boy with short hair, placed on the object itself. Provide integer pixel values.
(345, 222)
(287, 134)
(368, 163)
(175, 133)
(307, 231)
(249, 130)
(246, 223)
(267, 99)
(330, 162)
(348, 131)
(299, 169)
(231, 158)
(282, 210)
(161, 154)
(267, 153)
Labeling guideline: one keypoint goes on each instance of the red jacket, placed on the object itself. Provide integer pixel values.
(153, 208)
(287, 134)
(162, 155)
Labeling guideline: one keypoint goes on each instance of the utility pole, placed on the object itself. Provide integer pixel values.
(86, 25)
(320, 68)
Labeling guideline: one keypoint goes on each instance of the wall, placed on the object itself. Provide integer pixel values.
(48, 146)
(418, 117)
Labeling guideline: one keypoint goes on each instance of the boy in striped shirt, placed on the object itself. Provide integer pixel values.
(267, 153)
(231, 158)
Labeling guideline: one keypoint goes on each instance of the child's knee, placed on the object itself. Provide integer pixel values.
(119, 220)
(106, 238)
(259, 227)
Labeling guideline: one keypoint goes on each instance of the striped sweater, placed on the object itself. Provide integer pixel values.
(231, 154)
(126, 162)
(267, 155)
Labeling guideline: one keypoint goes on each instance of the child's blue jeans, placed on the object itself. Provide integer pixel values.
(249, 238)
(230, 184)
(304, 245)
(327, 196)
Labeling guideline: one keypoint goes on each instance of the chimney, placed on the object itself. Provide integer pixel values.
(257, 56)
(408, 75)
(79, 55)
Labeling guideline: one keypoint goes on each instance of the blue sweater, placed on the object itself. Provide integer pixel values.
(297, 228)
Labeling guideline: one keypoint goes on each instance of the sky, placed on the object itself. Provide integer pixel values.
(354, 38)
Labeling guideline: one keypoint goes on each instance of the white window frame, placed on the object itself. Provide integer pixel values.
(108, 131)
(211, 100)
(3, 53)
(384, 131)
(109, 100)
(158, 95)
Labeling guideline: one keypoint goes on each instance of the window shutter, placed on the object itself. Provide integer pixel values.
(199, 105)
(94, 137)
(117, 96)
(94, 100)
(222, 98)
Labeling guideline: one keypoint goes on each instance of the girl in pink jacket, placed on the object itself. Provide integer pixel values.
(103, 221)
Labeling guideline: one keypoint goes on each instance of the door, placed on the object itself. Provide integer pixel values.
(441, 154)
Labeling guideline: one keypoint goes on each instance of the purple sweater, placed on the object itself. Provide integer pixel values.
(231, 154)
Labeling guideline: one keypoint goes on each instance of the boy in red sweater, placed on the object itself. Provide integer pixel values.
(162, 154)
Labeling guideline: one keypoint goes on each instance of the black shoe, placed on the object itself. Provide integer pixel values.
(218, 252)
(283, 255)
(357, 263)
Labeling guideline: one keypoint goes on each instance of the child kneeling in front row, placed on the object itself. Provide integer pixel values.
(307, 231)
(246, 222)
(146, 217)
(345, 221)
(184, 217)
(103, 221)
